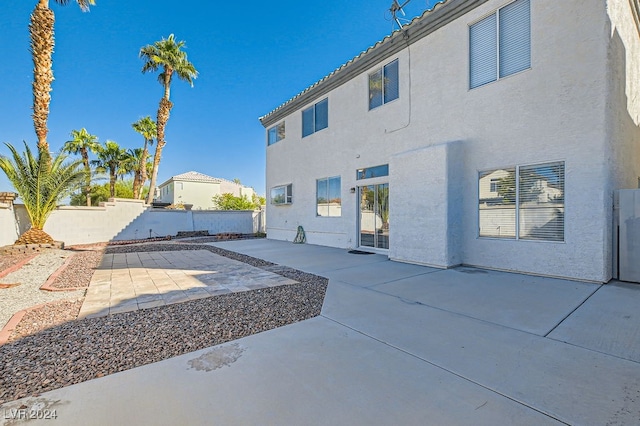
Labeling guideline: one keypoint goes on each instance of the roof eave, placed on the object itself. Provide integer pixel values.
(427, 23)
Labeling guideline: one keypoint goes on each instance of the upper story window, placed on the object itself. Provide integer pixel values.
(315, 118)
(275, 133)
(500, 44)
(384, 85)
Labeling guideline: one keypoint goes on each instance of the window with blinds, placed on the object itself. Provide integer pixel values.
(384, 85)
(315, 118)
(500, 44)
(524, 202)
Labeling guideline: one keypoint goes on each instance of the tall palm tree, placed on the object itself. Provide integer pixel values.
(81, 143)
(42, 42)
(111, 159)
(148, 129)
(42, 182)
(135, 162)
(166, 54)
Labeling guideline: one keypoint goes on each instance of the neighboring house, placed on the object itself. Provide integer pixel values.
(198, 189)
(408, 148)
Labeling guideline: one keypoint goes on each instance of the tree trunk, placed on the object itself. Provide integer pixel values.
(136, 185)
(112, 182)
(163, 116)
(42, 42)
(143, 172)
(87, 185)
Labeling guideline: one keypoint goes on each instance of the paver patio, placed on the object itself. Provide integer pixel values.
(127, 282)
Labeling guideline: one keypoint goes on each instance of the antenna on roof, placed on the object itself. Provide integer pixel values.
(395, 8)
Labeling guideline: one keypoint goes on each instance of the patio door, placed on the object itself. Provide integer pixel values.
(374, 216)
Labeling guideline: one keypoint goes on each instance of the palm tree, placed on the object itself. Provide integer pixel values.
(42, 182)
(167, 55)
(135, 162)
(41, 35)
(147, 128)
(81, 143)
(111, 158)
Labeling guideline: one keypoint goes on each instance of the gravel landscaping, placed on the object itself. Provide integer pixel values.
(30, 277)
(49, 350)
(9, 260)
(78, 272)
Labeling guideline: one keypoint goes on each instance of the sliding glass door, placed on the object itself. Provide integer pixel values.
(374, 216)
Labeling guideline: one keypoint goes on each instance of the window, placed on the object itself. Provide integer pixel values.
(328, 198)
(527, 204)
(315, 118)
(275, 134)
(372, 172)
(500, 44)
(494, 185)
(384, 85)
(281, 194)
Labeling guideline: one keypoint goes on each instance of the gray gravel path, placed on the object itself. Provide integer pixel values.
(31, 276)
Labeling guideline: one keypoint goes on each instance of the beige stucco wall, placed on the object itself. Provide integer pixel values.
(556, 111)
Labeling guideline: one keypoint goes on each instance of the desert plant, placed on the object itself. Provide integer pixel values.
(42, 182)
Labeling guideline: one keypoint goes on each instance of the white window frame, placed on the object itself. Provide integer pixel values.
(327, 180)
(277, 133)
(518, 208)
(498, 75)
(288, 195)
(382, 70)
(313, 108)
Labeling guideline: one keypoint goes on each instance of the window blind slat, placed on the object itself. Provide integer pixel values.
(391, 82)
(483, 51)
(515, 37)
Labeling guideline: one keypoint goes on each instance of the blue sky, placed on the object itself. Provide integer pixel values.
(251, 56)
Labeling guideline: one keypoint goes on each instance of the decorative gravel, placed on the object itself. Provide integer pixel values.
(30, 277)
(75, 351)
(80, 269)
(9, 260)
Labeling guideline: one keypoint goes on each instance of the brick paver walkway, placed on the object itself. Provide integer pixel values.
(129, 281)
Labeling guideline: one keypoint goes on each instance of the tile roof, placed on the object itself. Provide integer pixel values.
(196, 177)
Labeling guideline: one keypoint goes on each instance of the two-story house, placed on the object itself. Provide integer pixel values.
(490, 133)
(198, 190)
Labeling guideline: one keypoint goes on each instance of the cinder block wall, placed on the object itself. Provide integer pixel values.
(124, 219)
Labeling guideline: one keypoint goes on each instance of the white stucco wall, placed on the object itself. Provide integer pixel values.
(8, 227)
(555, 111)
(124, 219)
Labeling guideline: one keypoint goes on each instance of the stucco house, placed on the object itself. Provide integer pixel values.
(401, 150)
(198, 189)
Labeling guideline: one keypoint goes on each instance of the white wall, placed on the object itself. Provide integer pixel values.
(124, 219)
(555, 111)
(8, 227)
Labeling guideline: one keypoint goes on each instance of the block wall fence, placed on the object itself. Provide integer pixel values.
(125, 219)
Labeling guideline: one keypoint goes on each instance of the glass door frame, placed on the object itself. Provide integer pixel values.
(364, 184)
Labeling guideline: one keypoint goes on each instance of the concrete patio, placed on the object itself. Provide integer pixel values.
(396, 344)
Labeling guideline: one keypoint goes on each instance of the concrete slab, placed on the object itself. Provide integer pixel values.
(572, 384)
(608, 322)
(525, 302)
(377, 273)
(334, 376)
